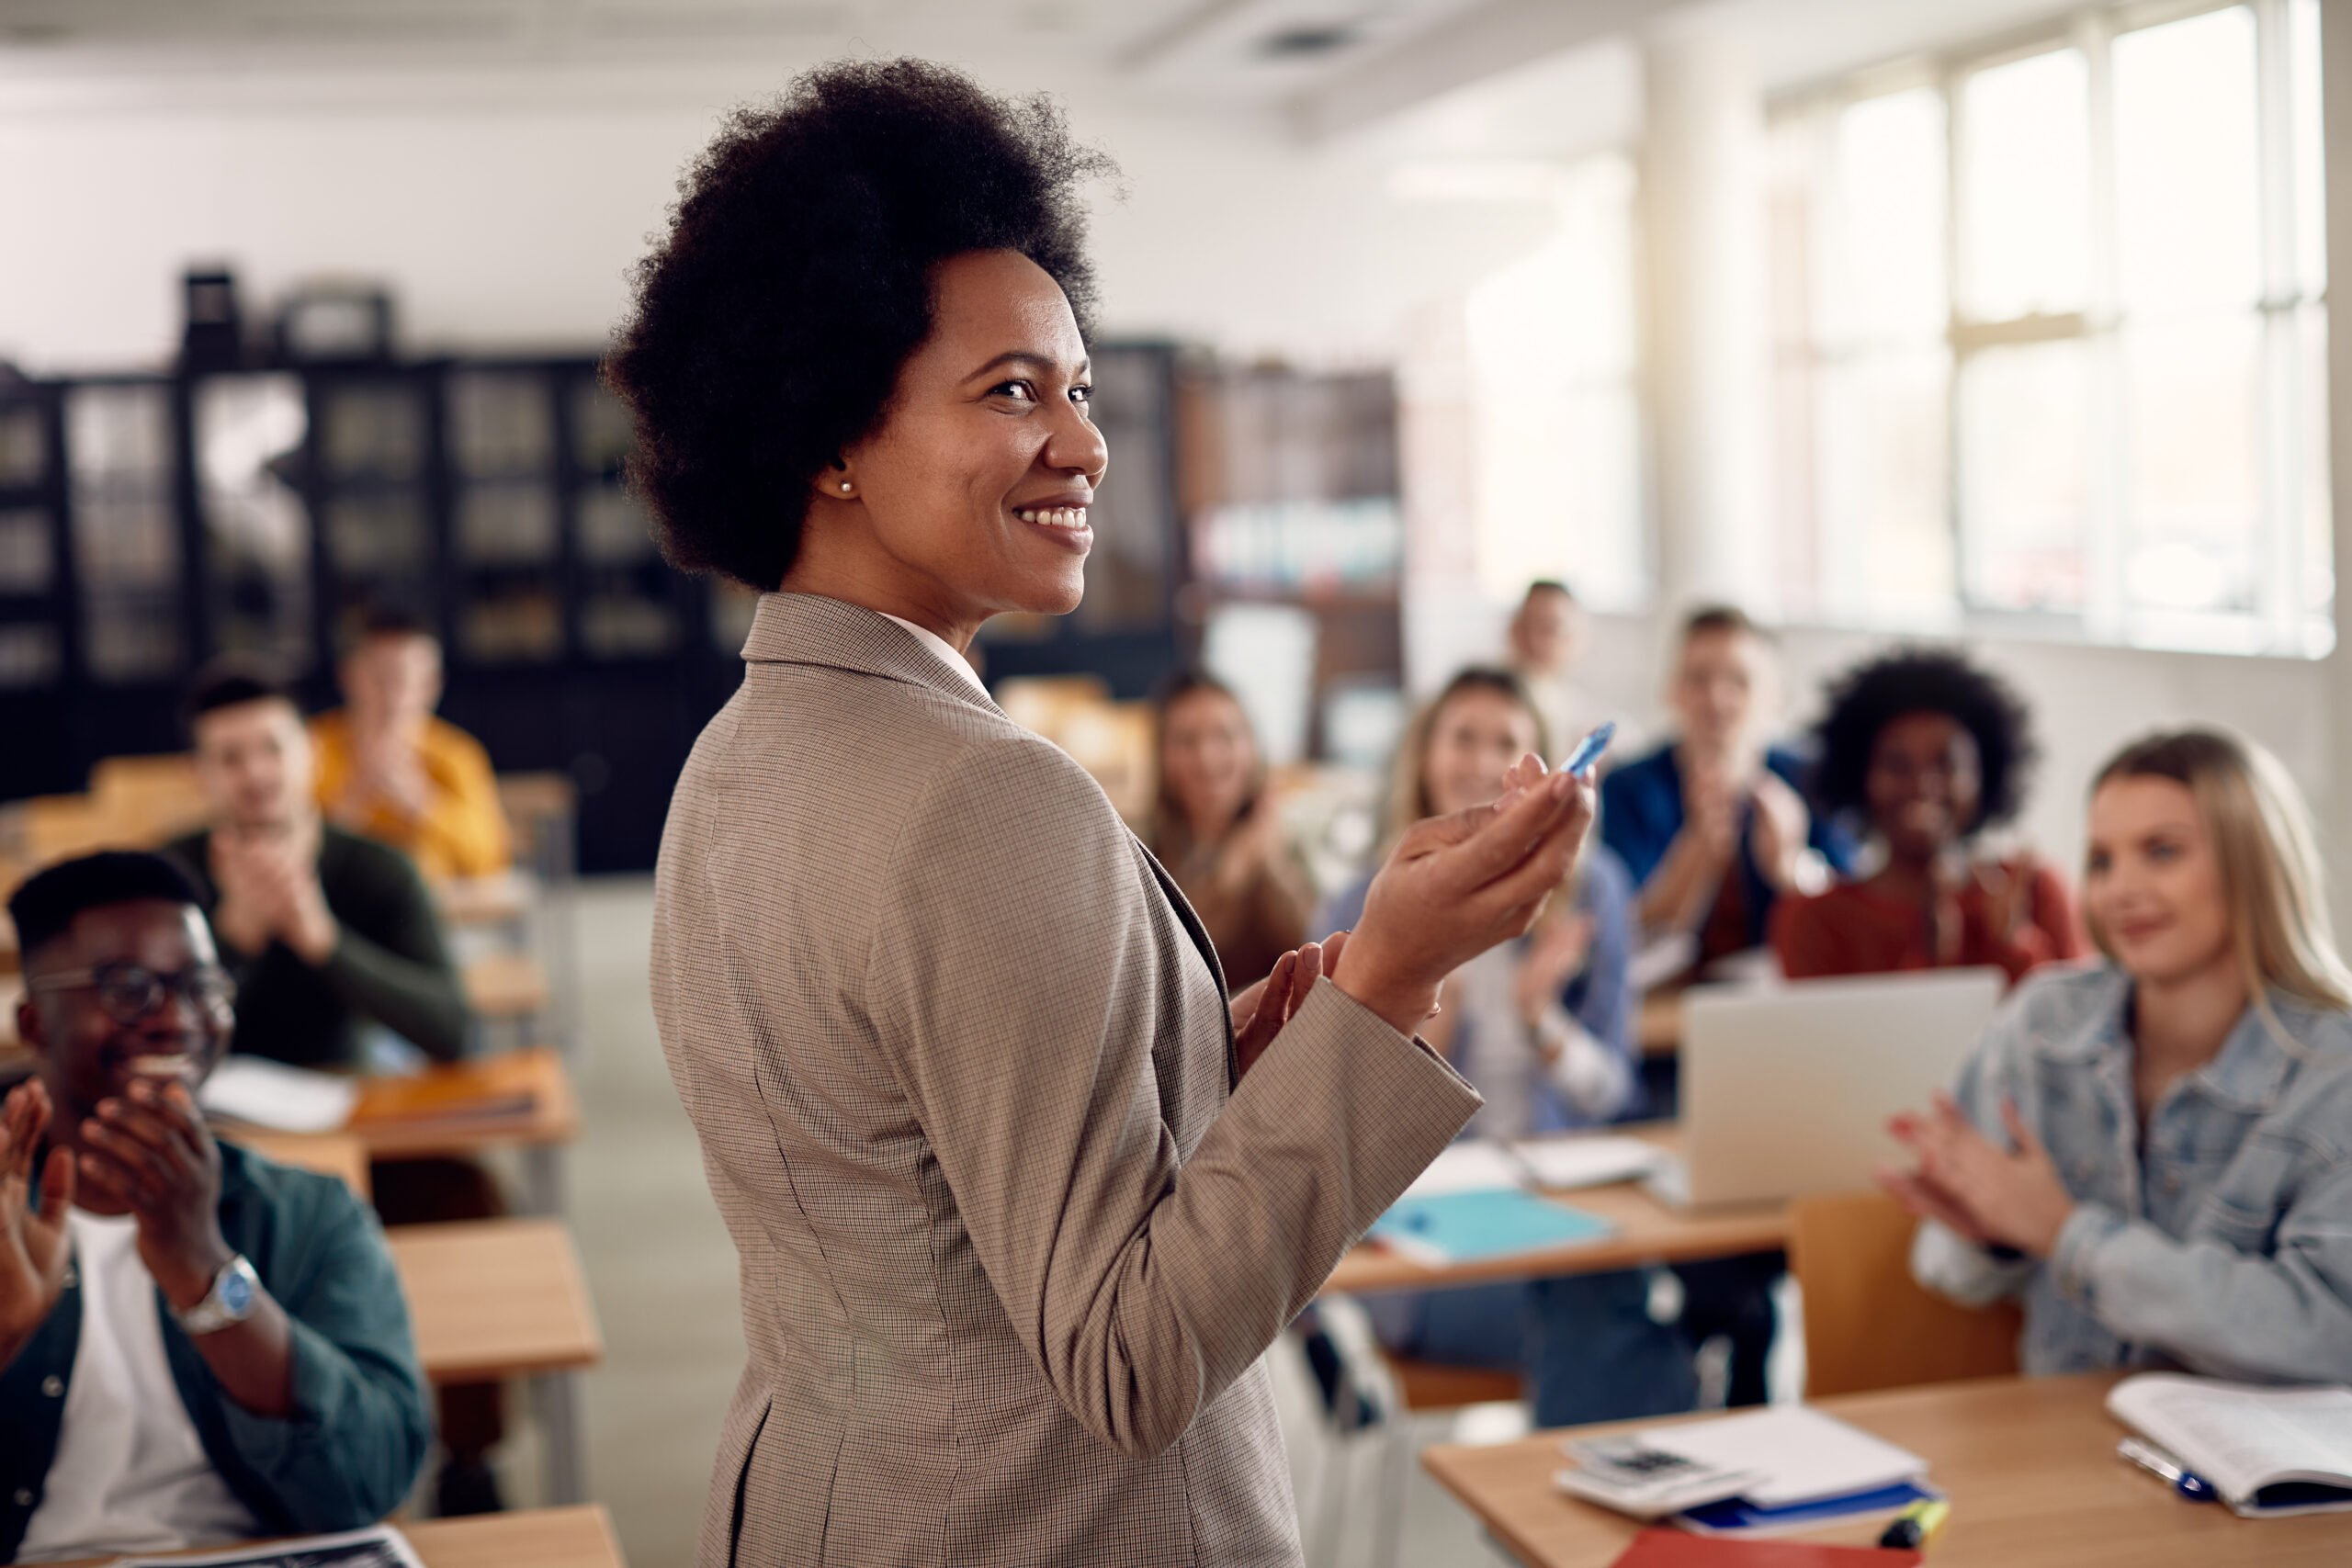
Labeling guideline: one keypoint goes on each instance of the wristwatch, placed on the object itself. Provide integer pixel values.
(229, 1302)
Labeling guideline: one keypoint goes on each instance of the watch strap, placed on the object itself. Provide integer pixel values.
(224, 1306)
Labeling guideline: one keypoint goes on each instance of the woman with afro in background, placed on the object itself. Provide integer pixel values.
(1926, 752)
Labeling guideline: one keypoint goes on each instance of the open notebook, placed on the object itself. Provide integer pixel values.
(2268, 1452)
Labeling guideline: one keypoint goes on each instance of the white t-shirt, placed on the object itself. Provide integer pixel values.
(131, 1473)
(945, 650)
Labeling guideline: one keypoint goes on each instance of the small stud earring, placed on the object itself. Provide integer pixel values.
(844, 487)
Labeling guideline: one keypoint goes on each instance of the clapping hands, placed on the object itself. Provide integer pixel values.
(1971, 1186)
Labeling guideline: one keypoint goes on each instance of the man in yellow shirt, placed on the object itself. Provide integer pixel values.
(390, 770)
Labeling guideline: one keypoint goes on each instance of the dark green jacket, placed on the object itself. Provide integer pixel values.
(390, 965)
(350, 1452)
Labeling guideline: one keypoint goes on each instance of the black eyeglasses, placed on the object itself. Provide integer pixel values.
(130, 993)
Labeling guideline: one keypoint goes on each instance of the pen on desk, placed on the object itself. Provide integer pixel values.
(2162, 1465)
(1917, 1525)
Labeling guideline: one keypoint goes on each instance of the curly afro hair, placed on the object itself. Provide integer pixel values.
(770, 326)
(1923, 680)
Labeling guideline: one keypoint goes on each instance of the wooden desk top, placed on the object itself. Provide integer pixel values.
(534, 1538)
(2030, 1464)
(506, 986)
(1647, 1231)
(511, 1099)
(330, 1153)
(495, 1299)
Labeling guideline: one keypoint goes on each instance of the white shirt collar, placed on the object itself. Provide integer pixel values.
(947, 654)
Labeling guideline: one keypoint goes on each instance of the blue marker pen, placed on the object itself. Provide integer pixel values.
(2163, 1466)
(1589, 748)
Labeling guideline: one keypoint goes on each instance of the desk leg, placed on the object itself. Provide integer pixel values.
(557, 1395)
(543, 1187)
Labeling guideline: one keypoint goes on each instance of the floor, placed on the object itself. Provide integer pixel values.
(663, 1272)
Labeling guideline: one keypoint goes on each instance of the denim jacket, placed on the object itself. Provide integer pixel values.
(2222, 1242)
(348, 1453)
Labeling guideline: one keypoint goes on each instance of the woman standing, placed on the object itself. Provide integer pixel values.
(1018, 1209)
(1543, 1028)
(1215, 829)
(1930, 752)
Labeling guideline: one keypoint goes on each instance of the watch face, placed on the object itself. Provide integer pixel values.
(236, 1291)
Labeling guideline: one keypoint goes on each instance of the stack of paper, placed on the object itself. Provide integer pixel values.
(1788, 1468)
(262, 1093)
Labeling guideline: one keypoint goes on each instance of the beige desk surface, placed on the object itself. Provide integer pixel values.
(498, 900)
(493, 1299)
(506, 986)
(2029, 1465)
(534, 1538)
(330, 1153)
(1647, 1231)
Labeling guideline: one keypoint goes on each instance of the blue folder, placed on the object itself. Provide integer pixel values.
(1491, 1223)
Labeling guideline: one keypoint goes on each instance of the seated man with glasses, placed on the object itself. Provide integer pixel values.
(197, 1346)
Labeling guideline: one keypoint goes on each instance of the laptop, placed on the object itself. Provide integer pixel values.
(1786, 1090)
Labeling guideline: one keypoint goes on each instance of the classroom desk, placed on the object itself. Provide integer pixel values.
(2029, 1465)
(501, 899)
(338, 1155)
(530, 1538)
(497, 1299)
(512, 1099)
(502, 987)
(1647, 1231)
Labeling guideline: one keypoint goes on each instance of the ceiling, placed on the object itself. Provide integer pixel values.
(1519, 77)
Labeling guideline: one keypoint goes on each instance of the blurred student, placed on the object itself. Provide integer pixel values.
(339, 963)
(390, 770)
(326, 932)
(2155, 1153)
(1710, 824)
(1547, 635)
(1928, 752)
(1217, 831)
(197, 1346)
(1543, 1028)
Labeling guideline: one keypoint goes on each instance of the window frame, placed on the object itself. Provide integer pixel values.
(2279, 624)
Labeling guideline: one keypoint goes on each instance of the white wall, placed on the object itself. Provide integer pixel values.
(505, 206)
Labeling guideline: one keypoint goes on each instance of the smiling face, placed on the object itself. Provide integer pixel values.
(86, 1052)
(2152, 886)
(1546, 633)
(1925, 785)
(1207, 761)
(971, 498)
(1473, 739)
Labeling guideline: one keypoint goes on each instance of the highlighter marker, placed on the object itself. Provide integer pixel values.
(1916, 1524)
(1589, 748)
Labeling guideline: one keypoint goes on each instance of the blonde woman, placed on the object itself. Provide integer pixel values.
(2154, 1153)
(1543, 1028)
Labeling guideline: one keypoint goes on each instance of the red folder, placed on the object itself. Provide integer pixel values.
(1680, 1549)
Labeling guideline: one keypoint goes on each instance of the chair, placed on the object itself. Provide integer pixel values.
(1867, 1325)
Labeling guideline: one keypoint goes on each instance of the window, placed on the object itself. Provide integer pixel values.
(1555, 459)
(2050, 344)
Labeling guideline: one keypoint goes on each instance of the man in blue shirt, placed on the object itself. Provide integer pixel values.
(195, 1345)
(1713, 825)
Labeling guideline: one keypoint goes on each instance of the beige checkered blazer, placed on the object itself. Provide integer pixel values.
(1011, 1242)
